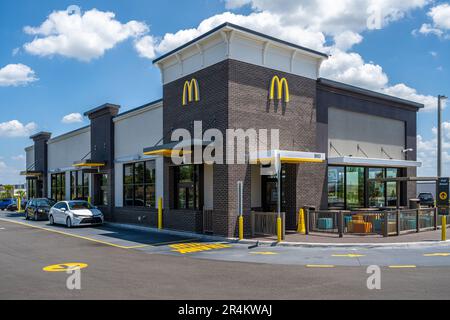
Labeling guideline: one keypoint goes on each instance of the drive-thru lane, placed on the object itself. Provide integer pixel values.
(32, 264)
(433, 255)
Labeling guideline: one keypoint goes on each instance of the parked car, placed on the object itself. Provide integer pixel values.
(13, 206)
(5, 203)
(75, 213)
(426, 199)
(38, 209)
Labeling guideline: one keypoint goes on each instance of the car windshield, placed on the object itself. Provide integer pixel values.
(79, 205)
(426, 196)
(45, 203)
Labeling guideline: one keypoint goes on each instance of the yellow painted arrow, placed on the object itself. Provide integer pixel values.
(442, 254)
(351, 255)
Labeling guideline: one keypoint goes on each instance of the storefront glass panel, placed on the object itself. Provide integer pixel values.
(336, 187)
(376, 189)
(355, 187)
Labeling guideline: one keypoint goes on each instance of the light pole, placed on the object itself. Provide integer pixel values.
(439, 135)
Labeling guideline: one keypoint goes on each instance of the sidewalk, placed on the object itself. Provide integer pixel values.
(429, 236)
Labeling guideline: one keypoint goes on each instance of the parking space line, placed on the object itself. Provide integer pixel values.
(264, 253)
(323, 266)
(75, 235)
(403, 267)
(442, 254)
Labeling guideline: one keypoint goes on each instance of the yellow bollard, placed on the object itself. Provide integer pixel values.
(241, 227)
(301, 222)
(279, 231)
(89, 200)
(160, 213)
(444, 228)
(19, 205)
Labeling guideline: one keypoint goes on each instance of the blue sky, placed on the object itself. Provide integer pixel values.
(407, 55)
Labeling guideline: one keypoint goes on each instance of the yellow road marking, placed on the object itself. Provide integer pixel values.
(192, 247)
(437, 255)
(75, 235)
(174, 242)
(403, 267)
(348, 255)
(263, 253)
(63, 267)
(320, 266)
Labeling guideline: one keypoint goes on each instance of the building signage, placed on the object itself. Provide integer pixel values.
(191, 92)
(443, 192)
(281, 85)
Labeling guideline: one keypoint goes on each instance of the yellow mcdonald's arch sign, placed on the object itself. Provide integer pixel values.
(191, 92)
(280, 84)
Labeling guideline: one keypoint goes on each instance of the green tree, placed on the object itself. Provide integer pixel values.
(9, 190)
(21, 194)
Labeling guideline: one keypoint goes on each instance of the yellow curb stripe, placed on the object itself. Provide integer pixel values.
(403, 267)
(75, 235)
(320, 266)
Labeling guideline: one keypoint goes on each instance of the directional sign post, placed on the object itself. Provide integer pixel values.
(443, 191)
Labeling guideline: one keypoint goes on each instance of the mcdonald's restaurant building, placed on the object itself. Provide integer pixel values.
(333, 139)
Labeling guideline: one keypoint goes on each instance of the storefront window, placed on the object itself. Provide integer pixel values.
(104, 190)
(79, 185)
(58, 186)
(391, 188)
(376, 189)
(187, 187)
(336, 187)
(32, 188)
(355, 187)
(139, 184)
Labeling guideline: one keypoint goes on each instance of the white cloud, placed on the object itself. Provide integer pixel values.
(19, 157)
(427, 152)
(440, 15)
(83, 36)
(9, 174)
(403, 91)
(16, 75)
(72, 118)
(145, 46)
(15, 128)
(351, 68)
(311, 24)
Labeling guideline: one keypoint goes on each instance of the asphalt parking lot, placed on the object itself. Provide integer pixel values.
(125, 264)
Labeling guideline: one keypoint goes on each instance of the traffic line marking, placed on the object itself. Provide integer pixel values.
(63, 267)
(403, 267)
(193, 247)
(75, 235)
(437, 255)
(348, 255)
(264, 253)
(324, 266)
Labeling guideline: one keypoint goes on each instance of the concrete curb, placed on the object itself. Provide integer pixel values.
(281, 244)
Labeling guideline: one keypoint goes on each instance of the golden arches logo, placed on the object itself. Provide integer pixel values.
(191, 92)
(280, 84)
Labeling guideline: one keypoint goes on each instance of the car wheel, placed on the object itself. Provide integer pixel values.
(68, 223)
(50, 219)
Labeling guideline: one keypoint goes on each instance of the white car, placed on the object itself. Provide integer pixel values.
(75, 214)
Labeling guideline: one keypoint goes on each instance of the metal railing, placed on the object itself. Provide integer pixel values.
(265, 223)
(385, 223)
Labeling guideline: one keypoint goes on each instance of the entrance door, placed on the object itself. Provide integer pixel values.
(270, 192)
